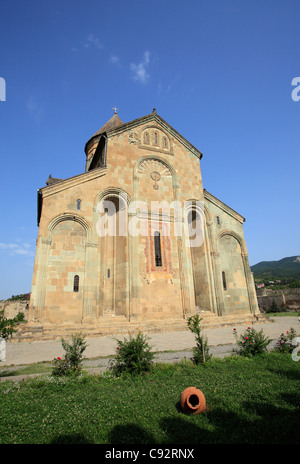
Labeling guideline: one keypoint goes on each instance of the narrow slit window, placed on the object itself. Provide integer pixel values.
(157, 248)
(108, 273)
(165, 142)
(224, 280)
(155, 138)
(146, 138)
(76, 284)
(78, 204)
(218, 220)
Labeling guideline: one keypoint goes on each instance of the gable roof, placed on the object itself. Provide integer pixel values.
(115, 126)
(52, 180)
(220, 204)
(63, 184)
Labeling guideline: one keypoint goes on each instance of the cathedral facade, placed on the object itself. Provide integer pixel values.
(136, 237)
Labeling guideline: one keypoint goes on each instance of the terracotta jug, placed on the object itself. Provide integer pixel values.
(192, 401)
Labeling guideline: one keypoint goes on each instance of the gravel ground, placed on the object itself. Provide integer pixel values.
(169, 347)
(97, 365)
(167, 356)
(219, 351)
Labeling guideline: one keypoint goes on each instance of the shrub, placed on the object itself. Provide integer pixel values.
(200, 351)
(23, 296)
(71, 363)
(251, 342)
(7, 326)
(284, 343)
(133, 356)
(61, 367)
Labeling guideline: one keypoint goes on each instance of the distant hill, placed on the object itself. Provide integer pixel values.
(288, 268)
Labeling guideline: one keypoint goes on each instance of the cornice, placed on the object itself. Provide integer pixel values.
(71, 181)
(209, 197)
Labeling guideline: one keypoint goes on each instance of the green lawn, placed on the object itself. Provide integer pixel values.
(37, 368)
(284, 314)
(250, 401)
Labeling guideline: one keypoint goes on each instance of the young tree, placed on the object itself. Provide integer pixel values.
(8, 326)
(201, 351)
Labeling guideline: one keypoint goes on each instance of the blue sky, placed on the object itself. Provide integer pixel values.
(219, 72)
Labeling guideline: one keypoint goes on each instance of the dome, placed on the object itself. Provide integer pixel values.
(114, 122)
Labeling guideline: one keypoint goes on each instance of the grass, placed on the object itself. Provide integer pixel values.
(36, 368)
(250, 401)
(284, 314)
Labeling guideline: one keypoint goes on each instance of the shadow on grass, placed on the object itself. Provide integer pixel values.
(38, 368)
(292, 398)
(71, 439)
(291, 374)
(8, 373)
(130, 434)
(256, 423)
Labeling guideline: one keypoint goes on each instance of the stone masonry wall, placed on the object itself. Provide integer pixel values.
(12, 308)
(290, 298)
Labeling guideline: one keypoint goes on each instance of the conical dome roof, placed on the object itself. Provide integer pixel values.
(114, 122)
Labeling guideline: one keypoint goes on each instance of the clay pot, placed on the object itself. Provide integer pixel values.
(192, 401)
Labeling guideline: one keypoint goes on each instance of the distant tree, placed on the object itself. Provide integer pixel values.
(274, 308)
(22, 296)
(295, 284)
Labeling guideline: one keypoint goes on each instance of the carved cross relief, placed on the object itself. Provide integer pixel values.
(155, 169)
(156, 177)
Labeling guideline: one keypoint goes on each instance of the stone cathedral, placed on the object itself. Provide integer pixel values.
(113, 253)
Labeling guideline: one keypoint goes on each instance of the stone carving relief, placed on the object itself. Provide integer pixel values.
(152, 138)
(156, 177)
(133, 138)
(155, 170)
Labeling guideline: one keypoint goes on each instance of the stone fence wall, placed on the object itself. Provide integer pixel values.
(12, 308)
(288, 297)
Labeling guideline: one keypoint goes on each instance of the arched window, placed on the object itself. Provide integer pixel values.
(165, 142)
(76, 283)
(224, 280)
(157, 249)
(146, 137)
(78, 204)
(155, 138)
(218, 220)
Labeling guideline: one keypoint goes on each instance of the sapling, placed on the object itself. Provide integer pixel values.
(201, 351)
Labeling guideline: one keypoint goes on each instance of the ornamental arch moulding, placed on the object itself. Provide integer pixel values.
(156, 178)
(120, 199)
(233, 234)
(143, 165)
(70, 217)
(110, 222)
(154, 138)
(234, 271)
(113, 192)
